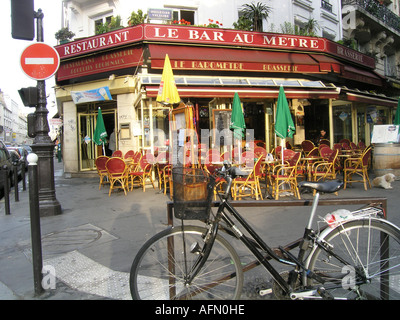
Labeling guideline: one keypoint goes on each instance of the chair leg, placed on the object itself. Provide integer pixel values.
(111, 187)
(367, 177)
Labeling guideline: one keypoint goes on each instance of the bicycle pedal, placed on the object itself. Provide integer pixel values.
(324, 294)
(265, 292)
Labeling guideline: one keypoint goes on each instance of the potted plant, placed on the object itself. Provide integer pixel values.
(114, 24)
(137, 18)
(64, 35)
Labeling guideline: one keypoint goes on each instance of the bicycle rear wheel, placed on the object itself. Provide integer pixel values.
(371, 249)
(161, 266)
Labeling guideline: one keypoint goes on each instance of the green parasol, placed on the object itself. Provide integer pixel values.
(397, 116)
(284, 126)
(237, 125)
(100, 133)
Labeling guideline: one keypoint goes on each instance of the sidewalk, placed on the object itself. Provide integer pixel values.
(92, 244)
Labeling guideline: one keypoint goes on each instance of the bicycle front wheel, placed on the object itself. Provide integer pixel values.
(362, 262)
(161, 267)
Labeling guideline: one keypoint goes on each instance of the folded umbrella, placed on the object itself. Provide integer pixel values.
(168, 92)
(284, 126)
(100, 133)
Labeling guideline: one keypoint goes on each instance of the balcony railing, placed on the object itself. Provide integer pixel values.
(326, 6)
(378, 10)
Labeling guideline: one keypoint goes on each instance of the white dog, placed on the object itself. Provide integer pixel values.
(384, 181)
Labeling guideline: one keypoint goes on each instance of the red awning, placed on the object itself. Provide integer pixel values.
(249, 92)
(223, 59)
(371, 99)
(102, 62)
(360, 75)
(327, 64)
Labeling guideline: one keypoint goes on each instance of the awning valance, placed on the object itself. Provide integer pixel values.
(261, 93)
(360, 75)
(371, 99)
(223, 59)
(99, 63)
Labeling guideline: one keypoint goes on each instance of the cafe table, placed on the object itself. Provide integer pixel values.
(307, 162)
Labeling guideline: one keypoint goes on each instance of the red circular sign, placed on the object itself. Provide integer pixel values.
(40, 61)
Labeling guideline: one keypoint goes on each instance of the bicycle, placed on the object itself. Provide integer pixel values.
(355, 258)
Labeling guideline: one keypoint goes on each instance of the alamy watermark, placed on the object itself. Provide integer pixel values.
(349, 17)
(49, 277)
(184, 144)
(349, 280)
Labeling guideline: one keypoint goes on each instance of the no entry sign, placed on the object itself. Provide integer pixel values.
(40, 61)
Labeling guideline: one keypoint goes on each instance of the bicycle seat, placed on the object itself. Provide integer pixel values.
(324, 186)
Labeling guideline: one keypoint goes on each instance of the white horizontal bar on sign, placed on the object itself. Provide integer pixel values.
(39, 60)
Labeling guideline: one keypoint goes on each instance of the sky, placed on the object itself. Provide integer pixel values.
(12, 78)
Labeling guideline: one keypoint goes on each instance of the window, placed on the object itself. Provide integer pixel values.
(342, 122)
(326, 5)
(390, 66)
(100, 21)
(187, 15)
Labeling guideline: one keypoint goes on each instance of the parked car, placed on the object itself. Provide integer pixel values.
(5, 160)
(27, 148)
(16, 160)
(23, 153)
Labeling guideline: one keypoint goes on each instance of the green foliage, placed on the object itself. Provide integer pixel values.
(307, 30)
(64, 34)
(256, 13)
(114, 24)
(243, 24)
(213, 24)
(350, 43)
(137, 18)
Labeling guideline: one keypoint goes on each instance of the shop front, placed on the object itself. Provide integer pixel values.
(328, 87)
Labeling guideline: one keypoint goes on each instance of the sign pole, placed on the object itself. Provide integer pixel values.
(42, 145)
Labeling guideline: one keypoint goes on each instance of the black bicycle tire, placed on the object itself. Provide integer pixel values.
(379, 225)
(187, 229)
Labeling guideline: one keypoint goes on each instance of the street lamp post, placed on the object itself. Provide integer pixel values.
(42, 144)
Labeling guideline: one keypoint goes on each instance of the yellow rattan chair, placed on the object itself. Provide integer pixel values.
(117, 174)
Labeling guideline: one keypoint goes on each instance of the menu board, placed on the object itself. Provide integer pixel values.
(385, 134)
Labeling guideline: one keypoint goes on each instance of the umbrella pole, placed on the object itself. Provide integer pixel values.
(239, 143)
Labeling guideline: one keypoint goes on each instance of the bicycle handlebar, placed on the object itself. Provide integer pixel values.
(229, 172)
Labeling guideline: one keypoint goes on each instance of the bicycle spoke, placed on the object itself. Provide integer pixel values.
(166, 260)
(373, 248)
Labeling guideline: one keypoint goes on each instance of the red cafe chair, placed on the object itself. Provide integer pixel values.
(117, 173)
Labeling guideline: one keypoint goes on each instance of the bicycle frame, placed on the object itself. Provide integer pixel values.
(255, 243)
(263, 252)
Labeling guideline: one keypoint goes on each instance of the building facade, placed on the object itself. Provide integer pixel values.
(13, 123)
(83, 16)
(328, 85)
(373, 27)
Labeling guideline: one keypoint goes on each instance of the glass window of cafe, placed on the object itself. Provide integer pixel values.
(342, 127)
(366, 117)
(155, 124)
(377, 115)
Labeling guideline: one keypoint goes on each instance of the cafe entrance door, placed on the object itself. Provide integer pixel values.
(88, 150)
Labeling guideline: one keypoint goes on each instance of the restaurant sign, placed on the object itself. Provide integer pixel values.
(118, 59)
(211, 37)
(98, 94)
(238, 66)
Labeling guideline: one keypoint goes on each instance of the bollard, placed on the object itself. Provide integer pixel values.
(23, 176)
(6, 190)
(59, 152)
(35, 223)
(15, 170)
